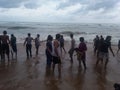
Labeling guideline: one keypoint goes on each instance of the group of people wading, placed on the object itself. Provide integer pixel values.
(55, 47)
(101, 49)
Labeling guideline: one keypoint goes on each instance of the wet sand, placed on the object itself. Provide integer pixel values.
(31, 74)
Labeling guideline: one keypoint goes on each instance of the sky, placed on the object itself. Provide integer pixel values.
(83, 11)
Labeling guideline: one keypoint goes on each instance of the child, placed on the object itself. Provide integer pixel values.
(82, 49)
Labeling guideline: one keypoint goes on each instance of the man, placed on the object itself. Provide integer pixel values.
(71, 51)
(28, 43)
(5, 45)
(103, 50)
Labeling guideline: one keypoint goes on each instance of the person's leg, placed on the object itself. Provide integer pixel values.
(107, 59)
(84, 64)
(30, 50)
(27, 51)
(79, 63)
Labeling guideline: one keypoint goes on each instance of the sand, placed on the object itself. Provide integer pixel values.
(31, 74)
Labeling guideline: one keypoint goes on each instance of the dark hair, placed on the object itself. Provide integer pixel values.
(12, 35)
(71, 35)
(38, 35)
(4, 32)
(29, 34)
(76, 49)
(49, 38)
(116, 86)
(57, 36)
(81, 39)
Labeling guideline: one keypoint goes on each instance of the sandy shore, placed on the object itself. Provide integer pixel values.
(31, 74)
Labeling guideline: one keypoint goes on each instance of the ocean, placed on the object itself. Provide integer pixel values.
(86, 30)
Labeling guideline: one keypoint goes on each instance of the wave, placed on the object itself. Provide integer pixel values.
(21, 27)
(70, 32)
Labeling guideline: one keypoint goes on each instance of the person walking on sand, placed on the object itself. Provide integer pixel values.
(96, 43)
(82, 48)
(71, 51)
(49, 51)
(103, 51)
(37, 43)
(5, 45)
(118, 46)
(13, 45)
(56, 52)
(62, 43)
(28, 43)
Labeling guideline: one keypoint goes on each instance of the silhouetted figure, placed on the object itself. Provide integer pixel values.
(28, 43)
(118, 46)
(0, 47)
(71, 51)
(5, 45)
(62, 43)
(37, 43)
(13, 46)
(96, 43)
(49, 51)
(117, 86)
(103, 50)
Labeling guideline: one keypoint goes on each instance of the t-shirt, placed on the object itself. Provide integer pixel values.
(13, 40)
(49, 45)
(37, 41)
(104, 46)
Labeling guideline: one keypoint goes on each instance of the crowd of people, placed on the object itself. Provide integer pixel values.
(55, 48)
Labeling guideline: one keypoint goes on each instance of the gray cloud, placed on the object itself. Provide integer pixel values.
(10, 3)
(91, 4)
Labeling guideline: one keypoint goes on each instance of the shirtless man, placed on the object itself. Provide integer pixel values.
(5, 45)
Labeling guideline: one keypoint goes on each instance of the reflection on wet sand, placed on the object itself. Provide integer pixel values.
(32, 74)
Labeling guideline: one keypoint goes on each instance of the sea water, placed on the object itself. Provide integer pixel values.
(86, 30)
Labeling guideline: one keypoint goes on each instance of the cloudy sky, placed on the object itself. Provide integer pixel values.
(89, 11)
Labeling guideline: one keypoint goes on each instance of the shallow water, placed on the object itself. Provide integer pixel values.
(31, 74)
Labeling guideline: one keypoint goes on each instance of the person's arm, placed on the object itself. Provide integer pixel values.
(25, 41)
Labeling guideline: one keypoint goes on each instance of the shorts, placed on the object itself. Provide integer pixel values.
(103, 55)
(56, 60)
(5, 48)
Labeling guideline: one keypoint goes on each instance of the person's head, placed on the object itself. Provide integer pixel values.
(108, 38)
(77, 49)
(38, 35)
(61, 36)
(4, 32)
(49, 38)
(71, 35)
(81, 39)
(12, 35)
(57, 36)
(116, 86)
(29, 34)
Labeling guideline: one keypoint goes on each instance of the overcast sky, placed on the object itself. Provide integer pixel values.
(89, 11)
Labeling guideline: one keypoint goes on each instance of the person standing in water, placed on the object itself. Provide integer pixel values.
(71, 51)
(49, 51)
(13, 45)
(5, 45)
(28, 43)
(37, 43)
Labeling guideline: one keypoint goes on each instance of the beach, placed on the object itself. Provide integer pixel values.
(31, 74)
